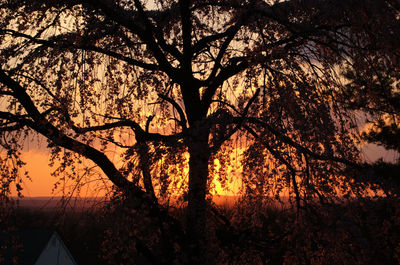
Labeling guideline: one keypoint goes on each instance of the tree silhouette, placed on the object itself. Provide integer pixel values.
(158, 79)
(373, 90)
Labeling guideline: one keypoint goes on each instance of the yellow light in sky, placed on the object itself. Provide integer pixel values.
(42, 182)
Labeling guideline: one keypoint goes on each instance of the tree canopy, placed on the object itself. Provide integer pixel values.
(178, 84)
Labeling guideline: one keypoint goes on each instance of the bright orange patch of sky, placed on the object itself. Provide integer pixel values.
(42, 183)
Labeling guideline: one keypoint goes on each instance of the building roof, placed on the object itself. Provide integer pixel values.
(33, 242)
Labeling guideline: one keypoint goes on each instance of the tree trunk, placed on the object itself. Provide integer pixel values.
(196, 211)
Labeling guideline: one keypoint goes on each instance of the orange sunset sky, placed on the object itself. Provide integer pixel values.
(42, 183)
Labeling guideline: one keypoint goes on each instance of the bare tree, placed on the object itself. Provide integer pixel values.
(158, 79)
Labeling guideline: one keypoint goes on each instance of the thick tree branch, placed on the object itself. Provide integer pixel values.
(139, 132)
(62, 42)
(131, 61)
(237, 65)
(42, 126)
(186, 35)
(12, 122)
(6, 93)
(144, 159)
(157, 31)
(222, 51)
(206, 41)
(11, 128)
(182, 121)
(34, 80)
(238, 121)
(117, 14)
(149, 119)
